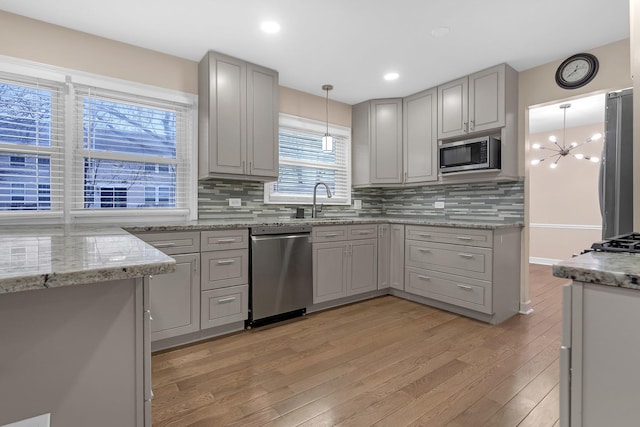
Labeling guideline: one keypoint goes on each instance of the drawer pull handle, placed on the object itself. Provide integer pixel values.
(423, 250)
(226, 241)
(466, 288)
(226, 261)
(363, 231)
(424, 277)
(424, 235)
(464, 238)
(466, 255)
(226, 300)
(330, 235)
(164, 245)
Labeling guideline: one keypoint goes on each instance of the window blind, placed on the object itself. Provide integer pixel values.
(31, 144)
(131, 152)
(303, 163)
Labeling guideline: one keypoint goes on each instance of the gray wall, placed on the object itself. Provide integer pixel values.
(500, 202)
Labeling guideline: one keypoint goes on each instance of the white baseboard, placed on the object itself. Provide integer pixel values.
(543, 261)
(526, 308)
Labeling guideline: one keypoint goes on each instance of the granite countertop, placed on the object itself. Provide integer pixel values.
(245, 223)
(603, 268)
(39, 257)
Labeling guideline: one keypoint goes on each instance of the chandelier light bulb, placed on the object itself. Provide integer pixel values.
(596, 136)
(595, 159)
(535, 162)
(536, 146)
(574, 144)
(553, 165)
(579, 156)
(553, 139)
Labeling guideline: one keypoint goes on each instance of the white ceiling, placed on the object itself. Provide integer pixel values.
(583, 111)
(351, 43)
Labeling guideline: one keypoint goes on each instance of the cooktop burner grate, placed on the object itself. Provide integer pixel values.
(629, 243)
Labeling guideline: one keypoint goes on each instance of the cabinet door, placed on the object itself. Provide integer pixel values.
(262, 121)
(362, 266)
(396, 263)
(174, 299)
(453, 108)
(227, 110)
(487, 99)
(420, 137)
(386, 141)
(329, 271)
(384, 241)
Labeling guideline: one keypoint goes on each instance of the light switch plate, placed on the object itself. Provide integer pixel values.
(439, 205)
(236, 203)
(357, 204)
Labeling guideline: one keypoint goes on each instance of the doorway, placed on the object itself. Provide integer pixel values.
(564, 208)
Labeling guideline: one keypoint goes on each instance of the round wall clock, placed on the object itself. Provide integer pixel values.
(576, 71)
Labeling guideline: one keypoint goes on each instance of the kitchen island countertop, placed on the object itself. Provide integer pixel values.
(603, 268)
(40, 257)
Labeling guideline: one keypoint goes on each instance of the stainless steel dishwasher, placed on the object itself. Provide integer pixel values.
(281, 273)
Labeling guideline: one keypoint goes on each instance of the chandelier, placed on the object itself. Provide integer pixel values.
(560, 151)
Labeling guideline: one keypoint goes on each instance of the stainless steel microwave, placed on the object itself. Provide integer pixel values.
(471, 154)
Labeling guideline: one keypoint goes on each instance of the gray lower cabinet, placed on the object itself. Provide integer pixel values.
(224, 280)
(475, 270)
(384, 256)
(175, 299)
(344, 267)
(396, 256)
(238, 119)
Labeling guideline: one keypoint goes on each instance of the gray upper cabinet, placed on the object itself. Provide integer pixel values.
(472, 104)
(377, 142)
(238, 119)
(420, 137)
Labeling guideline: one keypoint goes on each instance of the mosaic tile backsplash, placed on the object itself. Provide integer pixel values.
(500, 202)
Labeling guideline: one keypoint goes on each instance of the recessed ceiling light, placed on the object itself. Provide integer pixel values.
(391, 76)
(440, 32)
(270, 27)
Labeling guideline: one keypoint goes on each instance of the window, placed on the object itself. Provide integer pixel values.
(31, 138)
(129, 145)
(303, 163)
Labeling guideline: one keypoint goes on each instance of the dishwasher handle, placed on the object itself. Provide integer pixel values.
(279, 236)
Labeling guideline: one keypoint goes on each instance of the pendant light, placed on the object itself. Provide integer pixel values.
(327, 139)
(560, 151)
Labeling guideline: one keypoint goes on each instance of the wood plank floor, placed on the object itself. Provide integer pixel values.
(381, 362)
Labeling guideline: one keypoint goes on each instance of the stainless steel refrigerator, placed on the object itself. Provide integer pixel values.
(616, 169)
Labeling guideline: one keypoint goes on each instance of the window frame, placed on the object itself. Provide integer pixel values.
(302, 124)
(71, 189)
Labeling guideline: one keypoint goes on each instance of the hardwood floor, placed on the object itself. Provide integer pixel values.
(381, 362)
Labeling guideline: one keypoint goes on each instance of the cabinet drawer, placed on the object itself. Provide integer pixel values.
(221, 240)
(173, 242)
(456, 236)
(329, 233)
(465, 261)
(366, 231)
(224, 268)
(222, 306)
(463, 292)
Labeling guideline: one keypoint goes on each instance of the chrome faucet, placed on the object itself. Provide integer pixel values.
(315, 211)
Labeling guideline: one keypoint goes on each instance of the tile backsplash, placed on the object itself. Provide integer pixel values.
(500, 202)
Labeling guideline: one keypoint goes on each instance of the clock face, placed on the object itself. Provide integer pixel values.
(576, 71)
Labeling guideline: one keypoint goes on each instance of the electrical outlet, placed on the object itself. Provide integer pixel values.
(236, 203)
(439, 205)
(357, 204)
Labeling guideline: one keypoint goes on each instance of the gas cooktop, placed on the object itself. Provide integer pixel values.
(629, 243)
